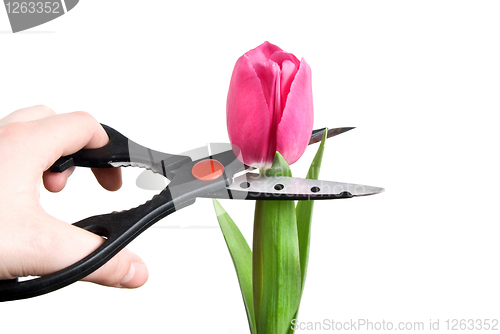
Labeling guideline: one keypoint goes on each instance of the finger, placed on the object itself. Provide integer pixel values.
(64, 134)
(55, 182)
(124, 270)
(109, 178)
(27, 114)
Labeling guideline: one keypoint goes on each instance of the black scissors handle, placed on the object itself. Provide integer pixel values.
(120, 149)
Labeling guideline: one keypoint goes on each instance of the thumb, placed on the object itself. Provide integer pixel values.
(124, 270)
(40, 244)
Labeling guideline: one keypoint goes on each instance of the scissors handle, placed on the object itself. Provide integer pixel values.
(118, 229)
(121, 150)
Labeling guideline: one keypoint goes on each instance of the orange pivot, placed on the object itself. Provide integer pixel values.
(207, 170)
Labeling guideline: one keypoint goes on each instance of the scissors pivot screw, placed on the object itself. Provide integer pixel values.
(207, 170)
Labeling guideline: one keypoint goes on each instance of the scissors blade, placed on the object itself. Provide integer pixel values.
(261, 187)
(318, 133)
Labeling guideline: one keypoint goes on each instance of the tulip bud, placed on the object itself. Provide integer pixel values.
(269, 106)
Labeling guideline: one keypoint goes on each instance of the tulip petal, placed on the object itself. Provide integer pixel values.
(267, 71)
(280, 56)
(248, 115)
(288, 72)
(294, 130)
(289, 65)
(265, 50)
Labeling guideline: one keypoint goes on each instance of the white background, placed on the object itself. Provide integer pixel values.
(419, 80)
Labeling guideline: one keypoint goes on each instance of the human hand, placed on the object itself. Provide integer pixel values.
(32, 242)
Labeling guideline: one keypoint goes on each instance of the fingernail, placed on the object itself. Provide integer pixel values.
(130, 274)
(137, 275)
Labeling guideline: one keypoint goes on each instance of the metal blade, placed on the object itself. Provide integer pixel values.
(318, 133)
(258, 187)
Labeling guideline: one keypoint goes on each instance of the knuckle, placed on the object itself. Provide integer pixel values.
(45, 109)
(84, 116)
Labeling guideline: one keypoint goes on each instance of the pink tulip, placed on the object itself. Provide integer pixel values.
(269, 106)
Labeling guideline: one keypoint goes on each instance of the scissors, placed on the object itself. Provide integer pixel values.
(213, 171)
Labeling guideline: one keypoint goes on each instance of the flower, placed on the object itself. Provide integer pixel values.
(269, 106)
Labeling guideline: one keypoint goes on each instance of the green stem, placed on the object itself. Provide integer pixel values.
(276, 263)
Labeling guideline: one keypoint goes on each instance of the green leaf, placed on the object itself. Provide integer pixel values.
(304, 211)
(276, 264)
(242, 260)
